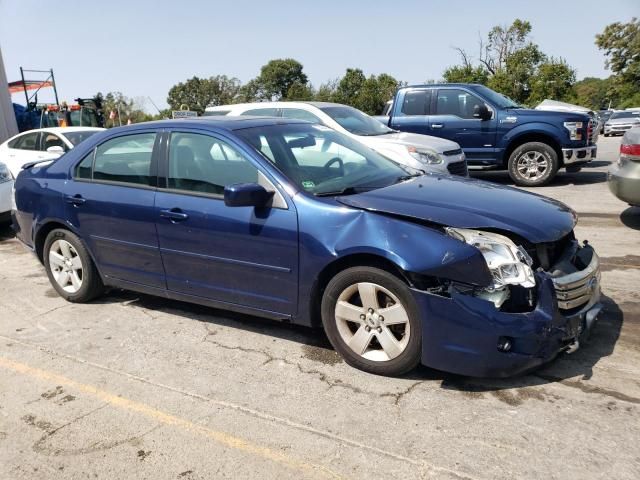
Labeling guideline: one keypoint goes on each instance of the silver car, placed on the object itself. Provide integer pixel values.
(620, 122)
(624, 179)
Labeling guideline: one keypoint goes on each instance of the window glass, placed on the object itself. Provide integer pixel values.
(456, 102)
(80, 136)
(416, 102)
(324, 162)
(300, 114)
(125, 159)
(262, 112)
(50, 140)
(355, 121)
(83, 169)
(215, 113)
(201, 163)
(28, 141)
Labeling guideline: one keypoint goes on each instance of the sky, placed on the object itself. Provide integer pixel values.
(143, 47)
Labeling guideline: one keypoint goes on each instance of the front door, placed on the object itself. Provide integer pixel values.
(454, 119)
(110, 201)
(232, 255)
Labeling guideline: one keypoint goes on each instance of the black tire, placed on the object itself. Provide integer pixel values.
(606, 134)
(91, 285)
(533, 149)
(410, 356)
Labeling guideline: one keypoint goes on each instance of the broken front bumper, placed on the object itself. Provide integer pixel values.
(464, 334)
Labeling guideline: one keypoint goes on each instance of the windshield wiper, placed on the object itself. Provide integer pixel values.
(404, 178)
(344, 191)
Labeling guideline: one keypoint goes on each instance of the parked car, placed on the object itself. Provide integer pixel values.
(418, 151)
(604, 116)
(495, 132)
(256, 215)
(621, 121)
(624, 179)
(6, 193)
(42, 144)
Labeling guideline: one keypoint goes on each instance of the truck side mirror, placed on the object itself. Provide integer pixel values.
(482, 112)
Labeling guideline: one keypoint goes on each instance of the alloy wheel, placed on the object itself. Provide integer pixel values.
(532, 165)
(372, 321)
(66, 266)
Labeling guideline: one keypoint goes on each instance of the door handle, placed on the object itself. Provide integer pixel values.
(437, 125)
(175, 215)
(76, 200)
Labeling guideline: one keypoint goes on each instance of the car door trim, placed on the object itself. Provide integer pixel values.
(262, 266)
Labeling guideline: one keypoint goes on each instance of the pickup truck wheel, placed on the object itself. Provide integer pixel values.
(372, 321)
(533, 164)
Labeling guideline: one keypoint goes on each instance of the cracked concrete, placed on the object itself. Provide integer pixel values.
(132, 386)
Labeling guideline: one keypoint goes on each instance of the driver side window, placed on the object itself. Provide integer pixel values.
(457, 102)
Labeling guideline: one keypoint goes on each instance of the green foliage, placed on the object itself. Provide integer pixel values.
(301, 92)
(366, 94)
(200, 93)
(124, 109)
(466, 74)
(593, 93)
(276, 78)
(621, 45)
(514, 66)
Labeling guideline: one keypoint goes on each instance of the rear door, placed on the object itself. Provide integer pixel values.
(232, 255)
(110, 201)
(412, 115)
(453, 118)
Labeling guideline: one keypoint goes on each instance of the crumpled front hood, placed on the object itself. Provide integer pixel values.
(468, 203)
(440, 145)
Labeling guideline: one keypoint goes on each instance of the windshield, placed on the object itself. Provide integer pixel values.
(322, 161)
(355, 121)
(625, 115)
(499, 100)
(76, 137)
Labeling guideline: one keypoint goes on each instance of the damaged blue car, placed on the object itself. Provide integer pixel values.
(295, 222)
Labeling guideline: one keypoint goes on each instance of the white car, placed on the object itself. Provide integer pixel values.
(41, 144)
(6, 193)
(424, 152)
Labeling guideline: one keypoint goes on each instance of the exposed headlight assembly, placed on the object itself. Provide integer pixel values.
(5, 173)
(574, 130)
(425, 155)
(508, 263)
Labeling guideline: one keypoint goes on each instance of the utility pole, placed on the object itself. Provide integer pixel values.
(8, 125)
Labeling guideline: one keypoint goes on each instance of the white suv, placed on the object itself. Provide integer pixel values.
(424, 152)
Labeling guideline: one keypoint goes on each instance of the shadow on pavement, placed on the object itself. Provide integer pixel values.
(631, 217)
(584, 177)
(6, 232)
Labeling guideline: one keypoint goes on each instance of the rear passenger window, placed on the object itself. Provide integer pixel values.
(28, 141)
(300, 114)
(125, 159)
(416, 102)
(205, 164)
(83, 169)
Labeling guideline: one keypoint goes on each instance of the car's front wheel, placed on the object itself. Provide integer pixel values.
(372, 320)
(70, 268)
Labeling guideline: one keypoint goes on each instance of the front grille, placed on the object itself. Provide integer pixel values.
(458, 168)
(576, 289)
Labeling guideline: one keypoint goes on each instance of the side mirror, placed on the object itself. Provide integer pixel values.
(246, 195)
(482, 112)
(56, 149)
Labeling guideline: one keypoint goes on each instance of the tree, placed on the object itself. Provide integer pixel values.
(621, 44)
(300, 92)
(593, 93)
(511, 64)
(123, 109)
(327, 91)
(200, 93)
(349, 87)
(278, 76)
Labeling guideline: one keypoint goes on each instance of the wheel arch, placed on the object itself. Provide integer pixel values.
(340, 264)
(536, 136)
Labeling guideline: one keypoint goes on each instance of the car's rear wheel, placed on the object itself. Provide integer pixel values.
(69, 267)
(372, 320)
(533, 164)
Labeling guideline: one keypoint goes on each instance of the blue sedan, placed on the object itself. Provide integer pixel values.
(296, 222)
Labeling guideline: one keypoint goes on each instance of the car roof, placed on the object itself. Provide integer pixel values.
(279, 104)
(229, 122)
(430, 85)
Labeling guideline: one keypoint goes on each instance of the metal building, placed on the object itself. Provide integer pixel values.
(8, 125)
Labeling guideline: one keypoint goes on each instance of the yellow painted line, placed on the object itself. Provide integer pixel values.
(168, 419)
